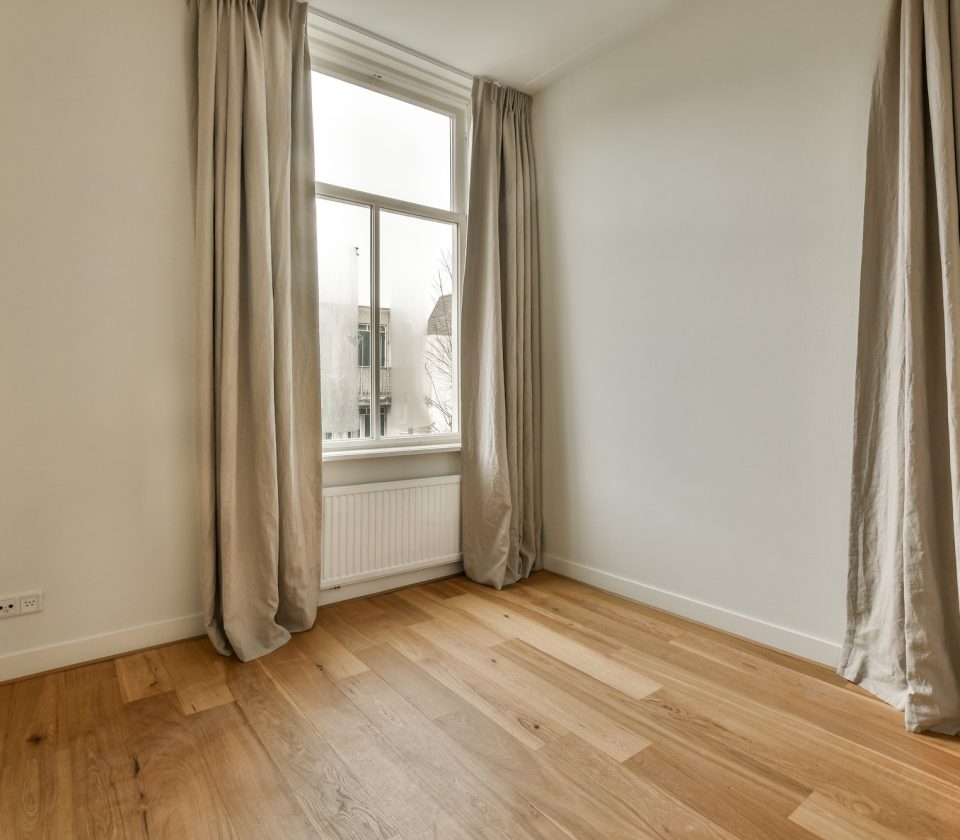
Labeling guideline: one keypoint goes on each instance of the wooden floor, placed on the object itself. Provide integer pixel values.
(448, 710)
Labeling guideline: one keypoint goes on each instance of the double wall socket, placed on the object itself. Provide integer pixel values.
(27, 602)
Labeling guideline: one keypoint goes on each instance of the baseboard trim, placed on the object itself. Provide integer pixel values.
(39, 660)
(377, 585)
(754, 629)
(76, 652)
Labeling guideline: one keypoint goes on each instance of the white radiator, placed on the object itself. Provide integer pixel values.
(374, 530)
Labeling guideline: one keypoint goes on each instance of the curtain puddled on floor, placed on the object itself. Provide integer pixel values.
(256, 271)
(500, 338)
(903, 628)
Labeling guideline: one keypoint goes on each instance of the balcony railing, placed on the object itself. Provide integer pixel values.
(364, 387)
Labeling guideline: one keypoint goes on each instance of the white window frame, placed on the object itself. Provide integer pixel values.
(340, 51)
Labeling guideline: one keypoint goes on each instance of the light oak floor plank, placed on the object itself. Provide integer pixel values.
(527, 723)
(143, 674)
(557, 645)
(488, 803)
(448, 711)
(106, 796)
(378, 766)
(6, 714)
(259, 801)
(327, 792)
(36, 782)
(327, 653)
(198, 674)
(827, 819)
(178, 790)
(579, 715)
(742, 673)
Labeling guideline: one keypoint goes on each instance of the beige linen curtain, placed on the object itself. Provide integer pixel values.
(500, 345)
(903, 631)
(260, 450)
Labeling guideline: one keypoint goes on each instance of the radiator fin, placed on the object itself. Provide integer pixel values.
(375, 530)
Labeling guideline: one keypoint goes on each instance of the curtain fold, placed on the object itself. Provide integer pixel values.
(903, 614)
(256, 272)
(500, 344)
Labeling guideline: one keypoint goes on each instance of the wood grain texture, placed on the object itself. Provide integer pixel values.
(106, 797)
(828, 819)
(198, 675)
(179, 793)
(450, 710)
(332, 798)
(142, 675)
(36, 782)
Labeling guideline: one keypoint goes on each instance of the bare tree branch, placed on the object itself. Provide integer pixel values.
(439, 358)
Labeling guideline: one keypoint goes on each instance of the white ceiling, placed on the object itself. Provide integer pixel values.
(522, 43)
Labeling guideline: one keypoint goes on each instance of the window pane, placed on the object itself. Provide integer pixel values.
(343, 248)
(417, 285)
(371, 142)
(363, 336)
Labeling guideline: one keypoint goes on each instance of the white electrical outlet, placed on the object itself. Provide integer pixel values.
(31, 602)
(25, 602)
(9, 606)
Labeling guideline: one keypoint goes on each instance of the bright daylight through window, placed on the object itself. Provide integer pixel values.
(388, 237)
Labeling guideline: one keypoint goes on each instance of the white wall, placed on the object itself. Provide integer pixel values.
(701, 193)
(97, 437)
(98, 492)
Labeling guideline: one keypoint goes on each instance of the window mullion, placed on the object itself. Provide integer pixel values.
(375, 322)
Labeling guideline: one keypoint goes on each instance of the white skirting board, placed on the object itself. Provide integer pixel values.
(91, 648)
(754, 629)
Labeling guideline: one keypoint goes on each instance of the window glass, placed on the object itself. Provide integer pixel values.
(378, 144)
(417, 304)
(343, 248)
(363, 337)
(388, 271)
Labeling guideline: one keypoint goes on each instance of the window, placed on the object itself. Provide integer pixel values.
(363, 337)
(390, 145)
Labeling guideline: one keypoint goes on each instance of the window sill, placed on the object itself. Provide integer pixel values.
(389, 451)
